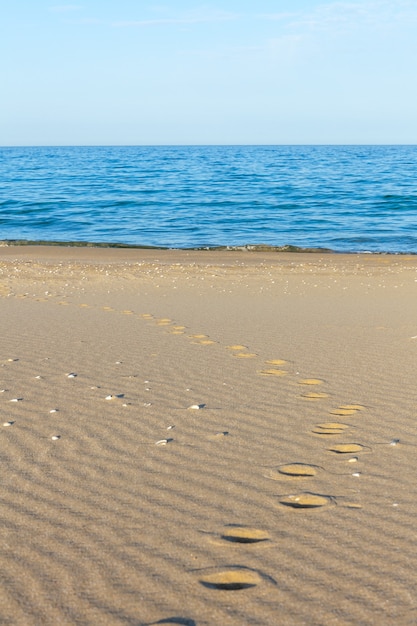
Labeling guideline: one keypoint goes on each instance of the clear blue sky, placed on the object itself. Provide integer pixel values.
(223, 72)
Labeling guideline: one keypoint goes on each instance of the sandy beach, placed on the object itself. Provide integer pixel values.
(207, 438)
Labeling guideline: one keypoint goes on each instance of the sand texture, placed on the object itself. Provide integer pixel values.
(207, 438)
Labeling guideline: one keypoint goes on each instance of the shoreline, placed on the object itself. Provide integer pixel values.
(16, 243)
(255, 258)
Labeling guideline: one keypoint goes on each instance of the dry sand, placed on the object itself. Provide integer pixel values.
(121, 505)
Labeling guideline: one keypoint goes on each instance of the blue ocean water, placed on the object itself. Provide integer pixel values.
(345, 198)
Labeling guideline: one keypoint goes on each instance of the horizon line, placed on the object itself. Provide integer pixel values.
(196, 145)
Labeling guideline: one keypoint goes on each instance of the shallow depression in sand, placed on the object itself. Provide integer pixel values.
(346, 448)
(244, 534)
(297, 469)
(327, 431)
(206, 342)
(275, 362)
(352, 407)
(232, 579)
(305, 501)
(314, 395)
(273, 372)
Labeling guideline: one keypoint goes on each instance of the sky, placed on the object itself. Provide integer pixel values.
(133, 72)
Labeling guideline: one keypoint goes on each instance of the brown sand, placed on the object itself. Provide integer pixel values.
(261, 507)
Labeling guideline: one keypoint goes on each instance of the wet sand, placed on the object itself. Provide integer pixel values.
(207, 438)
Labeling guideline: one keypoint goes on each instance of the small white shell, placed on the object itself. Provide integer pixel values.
(53, 411)
(16, 399)
(8, 423)
(162, 442)
(55, 437)
(72, 375)
(195, 407)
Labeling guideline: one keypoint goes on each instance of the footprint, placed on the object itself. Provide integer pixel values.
(343, 411)
(230, 579)
(244, 534)
(347, 448)
(273, 372)
(305, 501)
(237, 347)
(205, 342)
(310, 381)
(314, 395)
(245, 355)
(330, 428)
(327, 431)
(297, 469)
(293, 471)
(275, 362)
(352, 407)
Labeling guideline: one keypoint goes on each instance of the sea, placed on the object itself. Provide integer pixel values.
(340, 198)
